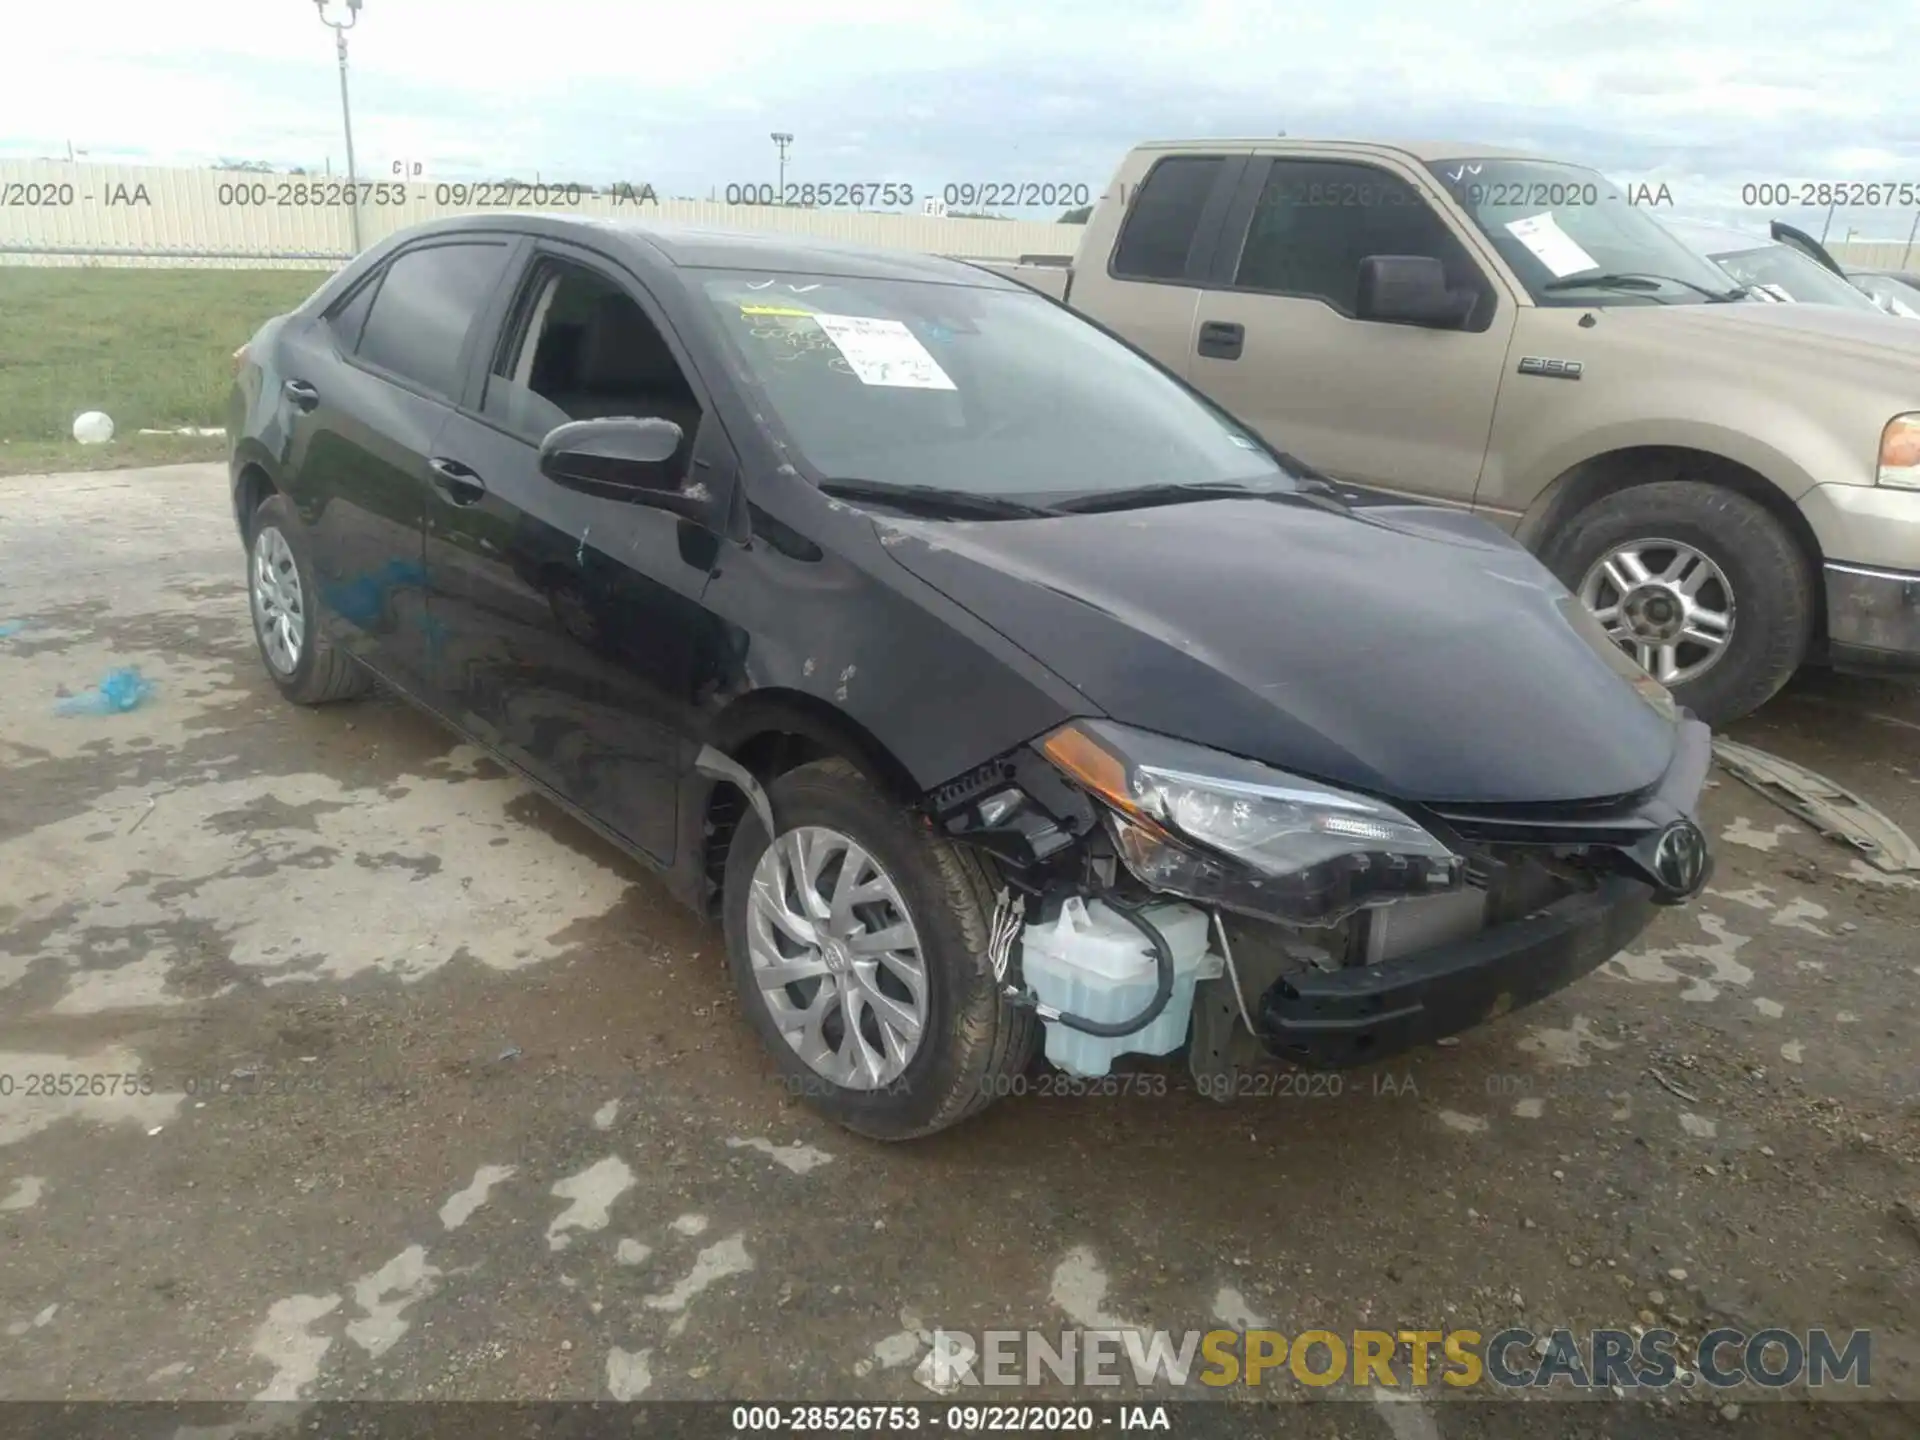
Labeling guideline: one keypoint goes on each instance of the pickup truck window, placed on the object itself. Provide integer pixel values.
(960, 388)
(1316, 220)
(1161, 226)
(1555, 224)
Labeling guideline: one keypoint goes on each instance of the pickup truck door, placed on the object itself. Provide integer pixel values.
(1386, 406)
(1144, 283)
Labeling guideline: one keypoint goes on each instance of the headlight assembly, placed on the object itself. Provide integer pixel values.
(1900, 453)
(1215, 828)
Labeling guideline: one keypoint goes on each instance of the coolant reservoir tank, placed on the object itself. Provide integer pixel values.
(1091, 962)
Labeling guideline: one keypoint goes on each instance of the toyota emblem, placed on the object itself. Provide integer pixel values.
(1680, 859)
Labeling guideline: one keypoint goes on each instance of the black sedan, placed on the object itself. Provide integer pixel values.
(893, 611)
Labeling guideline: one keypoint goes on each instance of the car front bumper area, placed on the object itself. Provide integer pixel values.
(1334, 1019)
(1873, 618)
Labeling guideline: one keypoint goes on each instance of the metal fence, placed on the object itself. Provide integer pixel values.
(59, 213)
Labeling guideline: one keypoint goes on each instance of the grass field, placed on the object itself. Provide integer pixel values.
(152, 348)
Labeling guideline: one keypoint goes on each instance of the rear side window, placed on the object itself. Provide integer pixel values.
(426, 304)
(1160, 228)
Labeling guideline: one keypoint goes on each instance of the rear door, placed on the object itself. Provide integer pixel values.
(367, 388)
(1150, 285)
(571, 623)
(1276, 340)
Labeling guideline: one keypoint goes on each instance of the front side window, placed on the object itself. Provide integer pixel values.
(1316, 220)
(994, 392)
(424, 308)
(581, 348)
(1571, 237)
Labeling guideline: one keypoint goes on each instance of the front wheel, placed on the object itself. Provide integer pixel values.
(1701, 586)
(858, 942)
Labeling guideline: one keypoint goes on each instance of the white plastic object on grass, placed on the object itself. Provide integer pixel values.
(93, 427)
(1093, 963)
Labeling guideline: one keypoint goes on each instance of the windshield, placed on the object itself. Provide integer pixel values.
(1895, 296)
(1786, 272)
(1558, 223)
(993, 392)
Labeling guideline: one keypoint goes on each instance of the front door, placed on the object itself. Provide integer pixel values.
(1394, 407)
(566, 622)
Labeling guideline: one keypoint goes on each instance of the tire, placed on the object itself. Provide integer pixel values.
(1771, 605)
(321, 672)
(972, 1043)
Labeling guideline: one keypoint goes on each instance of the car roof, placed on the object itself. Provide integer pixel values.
(1414, 149)
(1712, 239)
(712, 247)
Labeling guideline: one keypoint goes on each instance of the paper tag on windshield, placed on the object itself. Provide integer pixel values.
(884, 352)
(1551, 245)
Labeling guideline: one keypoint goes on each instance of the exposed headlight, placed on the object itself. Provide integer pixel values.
(1213, 827)
(1900, 452)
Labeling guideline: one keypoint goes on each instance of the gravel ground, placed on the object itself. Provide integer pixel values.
(436, 1096)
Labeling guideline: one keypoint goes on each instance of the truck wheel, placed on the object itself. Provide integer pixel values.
(1699, 584)
(285, 602)
(858, 942)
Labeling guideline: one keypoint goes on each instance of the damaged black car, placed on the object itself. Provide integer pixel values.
(995, 691)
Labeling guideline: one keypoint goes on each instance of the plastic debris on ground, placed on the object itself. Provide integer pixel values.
(118, 691)
(1832, 809)
(11, 627)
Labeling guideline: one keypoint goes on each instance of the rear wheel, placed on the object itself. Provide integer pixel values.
(1701, 586)
(300, 660)
(858, 941)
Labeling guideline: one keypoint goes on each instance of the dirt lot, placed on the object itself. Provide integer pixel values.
(436, 1096)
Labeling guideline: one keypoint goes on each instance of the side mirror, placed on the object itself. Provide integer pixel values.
(622, 458)
(1411, 290)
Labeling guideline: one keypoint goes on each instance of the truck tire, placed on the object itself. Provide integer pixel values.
(285, 603)
(894, 1040)
(1670, 565)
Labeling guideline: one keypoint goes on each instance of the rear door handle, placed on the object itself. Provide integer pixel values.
(455, 481)
(303, 395)
(1221, 339)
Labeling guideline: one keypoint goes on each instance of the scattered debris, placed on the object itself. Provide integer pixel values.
(93, 427)
(1672, 1088)
(119, 690)
(1834, 811)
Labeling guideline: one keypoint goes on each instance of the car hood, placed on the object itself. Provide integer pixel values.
(1412, 652)
(1794, 333)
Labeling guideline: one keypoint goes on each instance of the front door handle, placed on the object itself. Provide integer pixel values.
(1221, 339)
(459, 484)
(303, 395)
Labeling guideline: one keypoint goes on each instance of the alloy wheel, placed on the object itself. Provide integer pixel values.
(279, 605)
(837, 958)
(1665, 603)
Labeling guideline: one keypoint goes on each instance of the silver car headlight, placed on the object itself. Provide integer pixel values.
(1215, 828)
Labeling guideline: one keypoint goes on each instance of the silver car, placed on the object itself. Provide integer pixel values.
(1768, 268)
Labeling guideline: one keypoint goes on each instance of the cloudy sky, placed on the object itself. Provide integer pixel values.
(1693, 93)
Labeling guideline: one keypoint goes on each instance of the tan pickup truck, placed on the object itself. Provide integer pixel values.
(1732, 487)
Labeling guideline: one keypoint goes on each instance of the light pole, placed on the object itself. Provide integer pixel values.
(782, 139)
(340, 28)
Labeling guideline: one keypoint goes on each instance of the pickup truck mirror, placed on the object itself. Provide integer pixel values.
(620, 458)
(1411, 290)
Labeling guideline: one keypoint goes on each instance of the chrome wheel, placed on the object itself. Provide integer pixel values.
(279, 607)
(1664, 603)
(836, 958)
